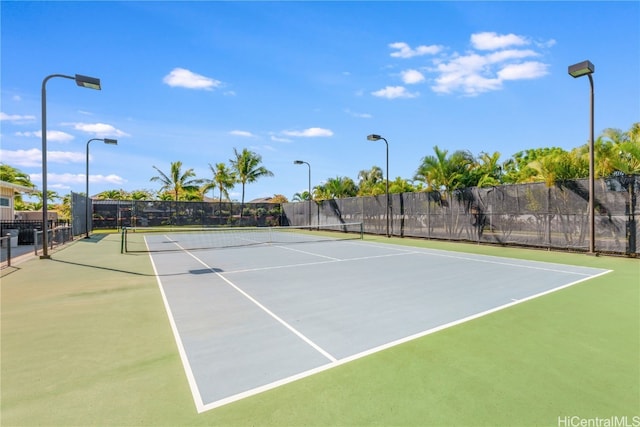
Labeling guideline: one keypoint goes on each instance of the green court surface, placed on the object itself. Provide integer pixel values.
(86, 341)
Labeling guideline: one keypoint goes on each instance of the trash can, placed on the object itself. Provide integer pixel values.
(13, 241)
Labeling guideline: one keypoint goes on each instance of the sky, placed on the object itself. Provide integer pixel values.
(191, 81)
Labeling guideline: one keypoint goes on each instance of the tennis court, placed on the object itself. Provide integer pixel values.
(250, 318)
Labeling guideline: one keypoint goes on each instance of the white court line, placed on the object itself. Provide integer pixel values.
(304, 264)
(201, 407)
(193, 385)
(382, 347)
(265, 309)
(448, 254)
(308, 253)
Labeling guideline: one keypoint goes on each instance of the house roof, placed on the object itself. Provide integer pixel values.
(19, 188)
(261, 200)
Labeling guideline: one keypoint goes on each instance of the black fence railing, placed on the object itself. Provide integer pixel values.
(25, 229)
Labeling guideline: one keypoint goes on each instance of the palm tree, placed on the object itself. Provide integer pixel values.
(224, 180)
(247, 169)
(556, 167)
(628, 160)
(111, 195)
(371, 182)
(177, 182)
(140, 195)
(516, 170)
(488, 170)
(336, 188)
(15, 176)
(301, 197)
(442, 172)
(51, 197)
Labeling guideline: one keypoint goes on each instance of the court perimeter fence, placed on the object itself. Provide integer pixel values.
(534, 215)
(521, 214)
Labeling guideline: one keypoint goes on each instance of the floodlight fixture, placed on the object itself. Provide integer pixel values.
(374, 137)
(302, 162)
(82, 81)
(87, 207)
(581, 69)
(586, 68)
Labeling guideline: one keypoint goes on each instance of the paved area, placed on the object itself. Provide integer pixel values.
(18, 254)
(247, 320)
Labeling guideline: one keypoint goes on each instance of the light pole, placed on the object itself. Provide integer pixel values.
(300, 162)
(586, 68)
(86, 220)
(82, 81)
(374, 137)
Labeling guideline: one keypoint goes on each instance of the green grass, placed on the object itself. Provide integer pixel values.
(86, 341)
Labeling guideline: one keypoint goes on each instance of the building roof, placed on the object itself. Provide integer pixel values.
(17, 187)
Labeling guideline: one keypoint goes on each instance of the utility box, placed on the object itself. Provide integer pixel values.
(13, 239)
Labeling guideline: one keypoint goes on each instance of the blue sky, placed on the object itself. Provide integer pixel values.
(191, 81)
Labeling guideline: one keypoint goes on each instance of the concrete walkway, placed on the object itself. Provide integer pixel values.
(18, 254)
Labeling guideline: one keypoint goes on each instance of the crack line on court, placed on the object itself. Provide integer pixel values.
(265, 309)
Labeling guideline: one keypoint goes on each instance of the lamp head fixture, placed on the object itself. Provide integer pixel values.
(581, 69)
(88, 82)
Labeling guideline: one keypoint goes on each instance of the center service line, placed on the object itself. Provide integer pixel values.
(266, 310)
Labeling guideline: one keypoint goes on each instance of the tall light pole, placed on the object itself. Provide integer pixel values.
(374, 137)
(300, 162)
(82, 81)
(586, 68)
(86, 220)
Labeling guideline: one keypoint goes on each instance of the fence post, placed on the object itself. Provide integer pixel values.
(8, 249)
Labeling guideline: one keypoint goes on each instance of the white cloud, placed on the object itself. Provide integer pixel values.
(477, 72)
(278, 139)
(181, 77)
(100, 130)
(309, 133)
(52, 135)
(243, 133)
(493, 41)
(16, 118)
(24, 158)
(412, 77)
(68, 180)
(403, 50)
(33, 157)
(66, 157)
(359, 115)
(509, 54)
(526, 70)
(391, 92)
(105, 179)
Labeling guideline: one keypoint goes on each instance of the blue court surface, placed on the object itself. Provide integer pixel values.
(250, 319)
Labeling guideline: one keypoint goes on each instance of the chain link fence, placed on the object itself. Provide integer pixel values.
(522, 214)
(115, 214)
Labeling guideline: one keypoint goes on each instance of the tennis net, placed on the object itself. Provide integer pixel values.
(160, 239)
